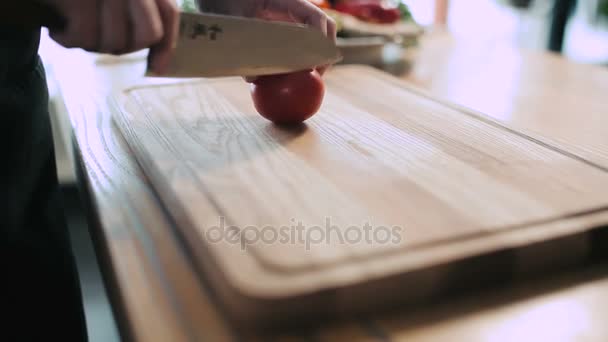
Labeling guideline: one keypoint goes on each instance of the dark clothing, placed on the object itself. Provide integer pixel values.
(39, 293)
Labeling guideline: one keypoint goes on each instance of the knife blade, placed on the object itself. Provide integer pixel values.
(212, 45)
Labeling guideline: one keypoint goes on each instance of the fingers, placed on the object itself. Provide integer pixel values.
(119, 26)
(317, 19)
(82, 26)
(161, 53)
(275, 16)
(331, 33)
(147, 23)
(307, 13)
(332, 29)
(115, 27)
(303, 11)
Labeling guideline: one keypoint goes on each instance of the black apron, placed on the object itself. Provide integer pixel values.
(39, 292)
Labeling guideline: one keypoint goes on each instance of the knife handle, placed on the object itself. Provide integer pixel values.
(30, 14)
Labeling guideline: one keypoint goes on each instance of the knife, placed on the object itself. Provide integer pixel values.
(212, 45)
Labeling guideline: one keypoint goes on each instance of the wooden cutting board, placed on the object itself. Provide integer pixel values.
(397, 196)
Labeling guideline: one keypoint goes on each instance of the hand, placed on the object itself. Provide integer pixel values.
(300, 11)
(120, 26)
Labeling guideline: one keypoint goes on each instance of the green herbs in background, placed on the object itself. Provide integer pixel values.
(602, 8)
(406, 15)
(188, 6)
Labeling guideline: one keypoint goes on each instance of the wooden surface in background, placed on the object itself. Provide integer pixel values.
(542, 94)
(157, 290)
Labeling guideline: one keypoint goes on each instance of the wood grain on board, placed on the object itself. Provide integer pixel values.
(452, 183)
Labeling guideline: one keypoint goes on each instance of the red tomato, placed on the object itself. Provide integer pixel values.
(321, 3)
(288, 98)
(372, 11)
